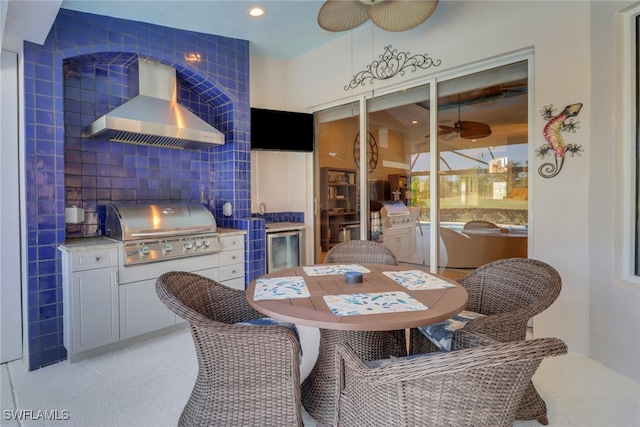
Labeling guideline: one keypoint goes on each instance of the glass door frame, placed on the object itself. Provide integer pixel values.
(433, 82)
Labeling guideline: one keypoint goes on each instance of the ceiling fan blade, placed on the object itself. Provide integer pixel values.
(401, 15)
(448, 133)
(474, 130)
(445, 130)
(342, 15)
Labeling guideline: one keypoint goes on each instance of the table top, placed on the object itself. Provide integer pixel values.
(313, 310)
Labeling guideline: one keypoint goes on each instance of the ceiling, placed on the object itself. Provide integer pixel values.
(287, 29)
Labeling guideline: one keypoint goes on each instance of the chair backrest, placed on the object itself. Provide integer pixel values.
(481, 384)
(511, 284)
(477, 224)
(361, 251)
(197, 298)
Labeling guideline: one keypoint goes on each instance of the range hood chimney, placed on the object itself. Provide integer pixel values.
(153, 115)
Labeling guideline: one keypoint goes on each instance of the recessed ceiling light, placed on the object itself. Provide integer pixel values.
(256, 11)
(414, 122)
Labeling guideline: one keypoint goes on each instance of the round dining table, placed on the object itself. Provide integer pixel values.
(360, 314)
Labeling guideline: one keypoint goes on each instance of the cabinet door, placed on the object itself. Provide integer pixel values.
(94, 309)
(141, 310)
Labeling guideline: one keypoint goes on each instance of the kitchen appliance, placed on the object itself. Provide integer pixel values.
(399, 231)
(284, 245)
(153, 116)
(157, 238)
(162, 232)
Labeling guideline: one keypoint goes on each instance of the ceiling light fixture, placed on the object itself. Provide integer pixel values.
(256, 11)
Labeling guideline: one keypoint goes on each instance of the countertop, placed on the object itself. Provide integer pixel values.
(100, 242)
(274, 227)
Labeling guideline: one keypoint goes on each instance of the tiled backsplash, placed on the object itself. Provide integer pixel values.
(76, 76)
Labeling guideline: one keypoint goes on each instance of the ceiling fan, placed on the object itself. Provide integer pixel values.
(390, 15)
(464, 129)
(490, 93)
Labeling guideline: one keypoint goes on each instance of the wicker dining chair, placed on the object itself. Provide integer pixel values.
(503, 296)
(361, 251)
(480, 383)
(247, 375)
(369, 252)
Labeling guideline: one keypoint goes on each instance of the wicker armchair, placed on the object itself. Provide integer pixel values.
(481, 386)
(247, 375)
(508, 293)
(318, 388)
(361, 251)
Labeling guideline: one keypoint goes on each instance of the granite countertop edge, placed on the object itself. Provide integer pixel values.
(275, 227)
(103, 242)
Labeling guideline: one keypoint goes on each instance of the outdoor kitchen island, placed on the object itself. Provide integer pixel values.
(108, 305)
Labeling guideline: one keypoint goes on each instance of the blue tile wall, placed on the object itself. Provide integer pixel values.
(78, 74)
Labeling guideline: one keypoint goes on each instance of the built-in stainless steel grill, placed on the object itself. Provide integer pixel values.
(397, 215)
(399, 224)
(158, 232)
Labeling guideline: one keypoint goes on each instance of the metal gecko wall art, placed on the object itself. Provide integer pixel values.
(562, 122)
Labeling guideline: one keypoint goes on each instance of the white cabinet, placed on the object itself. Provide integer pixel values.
(231, 270)
(90, 287)
(141, 310)
(107, 305)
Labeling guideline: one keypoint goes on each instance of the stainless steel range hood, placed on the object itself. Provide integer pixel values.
(153, 116)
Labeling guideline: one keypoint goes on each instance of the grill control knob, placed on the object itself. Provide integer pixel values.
(167, 247)
(206, 243)
(198, 244)
(187, 245)
(145, 250)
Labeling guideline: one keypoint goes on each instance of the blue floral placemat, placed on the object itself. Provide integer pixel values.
(418, 280)
(372, 303)
(281, 288)
(337, 269)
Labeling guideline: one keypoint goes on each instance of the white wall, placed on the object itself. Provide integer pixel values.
(282, 180)
(571, 224)
(614, 300)
(10, 284)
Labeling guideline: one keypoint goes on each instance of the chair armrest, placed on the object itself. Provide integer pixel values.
(441, 362)
(503, 327)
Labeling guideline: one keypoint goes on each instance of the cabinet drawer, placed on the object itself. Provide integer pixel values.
(87, 260)
(231, 271)
(231, 257)
(229, 243)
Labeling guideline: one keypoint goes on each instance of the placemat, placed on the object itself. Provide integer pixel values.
(418, 280)
(372, 303)
(281, 288)
(336, 269)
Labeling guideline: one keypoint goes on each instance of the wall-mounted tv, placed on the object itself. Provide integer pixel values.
(281, 130)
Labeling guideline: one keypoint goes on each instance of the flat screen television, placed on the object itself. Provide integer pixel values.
(281, 130)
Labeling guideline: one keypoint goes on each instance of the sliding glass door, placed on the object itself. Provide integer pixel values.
(477, 209)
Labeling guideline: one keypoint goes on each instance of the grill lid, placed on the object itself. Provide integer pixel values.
(134, 222)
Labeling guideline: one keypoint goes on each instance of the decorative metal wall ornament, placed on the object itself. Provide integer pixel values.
(553, 134)
(391, 63)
